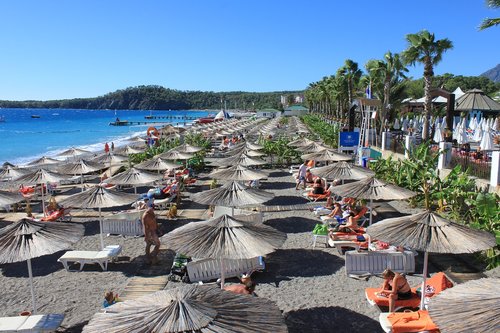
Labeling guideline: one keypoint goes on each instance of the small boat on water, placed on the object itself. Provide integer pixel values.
(35, 116)
(119, 123)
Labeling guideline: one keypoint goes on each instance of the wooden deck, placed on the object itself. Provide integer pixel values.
(143, 285)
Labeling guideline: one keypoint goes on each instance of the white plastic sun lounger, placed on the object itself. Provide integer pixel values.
(373, 263)
(209, 269)
(339, 244)
(33, 323)
(101, 258)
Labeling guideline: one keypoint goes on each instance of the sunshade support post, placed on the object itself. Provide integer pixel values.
(371, 211)
(100, 229)
(422, 291)
(222, 273)
(32, 288)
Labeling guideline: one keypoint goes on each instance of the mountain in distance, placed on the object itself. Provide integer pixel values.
(493, 74)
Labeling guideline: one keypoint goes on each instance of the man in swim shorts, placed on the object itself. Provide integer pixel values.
(150, 235)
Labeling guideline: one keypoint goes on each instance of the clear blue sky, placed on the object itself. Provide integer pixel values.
(86, 48)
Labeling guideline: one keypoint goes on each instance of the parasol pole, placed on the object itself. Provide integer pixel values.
(30, 273)
(371, 210)
(222, 273)
(43, 199)
(81, 180)
(100, 229)
(422, 291)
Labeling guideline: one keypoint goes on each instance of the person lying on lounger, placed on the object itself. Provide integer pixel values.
(318, 187)
(395, 287)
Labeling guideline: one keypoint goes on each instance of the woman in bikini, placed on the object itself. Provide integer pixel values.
(395, 287)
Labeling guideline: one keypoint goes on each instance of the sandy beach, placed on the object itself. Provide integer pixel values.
(310, 286)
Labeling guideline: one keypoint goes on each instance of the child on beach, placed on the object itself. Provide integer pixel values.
(109, 299)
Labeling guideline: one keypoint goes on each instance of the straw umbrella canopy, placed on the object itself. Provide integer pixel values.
(27, 239)
(224, 237)
(41, 176)
(174, 154)
(98, 197)
(254, 146)
(232, 194)
(476, 99)
(245, 150)
(109, 159)
(237, 172)
(80, 168)
(239, 159)
(12, 173)
(190, 308)
(373, 189)
(301, 142)
(9, 198)
(476, 300)
(73, 152)
(43, 161)
(187, 148)
(134, 177)
(138, 139)
(327, 155)
(342, 171)
(157, 164)
(312, 148)
(129, 150)
(431, 233)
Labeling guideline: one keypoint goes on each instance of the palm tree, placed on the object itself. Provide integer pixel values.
(389, 71)
(488, 23)
(352, 74)
(423, 48)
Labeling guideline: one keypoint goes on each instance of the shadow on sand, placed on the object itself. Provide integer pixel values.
(41, 266)
(284, 264)
(281, 173)
(330, 319)
(286, 200)
(292, 225)
(276, 185)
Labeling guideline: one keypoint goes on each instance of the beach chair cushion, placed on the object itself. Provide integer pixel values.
(91, 257)
(438, 282)
(33, 323)
(400, 322)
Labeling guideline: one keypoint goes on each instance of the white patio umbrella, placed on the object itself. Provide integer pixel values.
(396, 125)
(487, 140)
(98, 197)
(438, 134)
(478, 134)
(27, 239)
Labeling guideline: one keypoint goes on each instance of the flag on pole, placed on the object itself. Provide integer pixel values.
(368, 91)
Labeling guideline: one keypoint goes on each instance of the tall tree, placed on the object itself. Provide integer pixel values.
(352, 73)
(389, 71)
(425, 49)
(488, 23)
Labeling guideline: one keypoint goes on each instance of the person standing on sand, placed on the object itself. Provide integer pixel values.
(301, 177)
(150, 235)
(106, 148)
(112, 146)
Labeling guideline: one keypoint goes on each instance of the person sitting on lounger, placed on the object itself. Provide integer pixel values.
(246, 287)
(318, 187)
(395, 287)
(336, 211)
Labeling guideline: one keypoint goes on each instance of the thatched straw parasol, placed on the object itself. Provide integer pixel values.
(27, 239)
(342, 171)
(373, 189)
(327, 155)
(300, 142)
(191, 308)
(73, 152)
(12, 173)
(311, 148)
(80, 168)
(233, 194)
(224, 237)
(109, 159)
(246, 151)
(174, 154)
(471, 307)
(157, 164)
(43, 161)
(239, 159)
(9, 198)
(430, 233)
(134, 177)
(253, 146)
(41, 177)
(98, 197)
(187, 148)
(237, 172)
(129, 150)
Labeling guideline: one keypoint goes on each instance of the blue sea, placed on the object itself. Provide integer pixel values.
(23, 138)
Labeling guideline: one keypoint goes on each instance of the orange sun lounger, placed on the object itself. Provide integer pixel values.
(317, 197)
(438, 281)
(406, 322)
